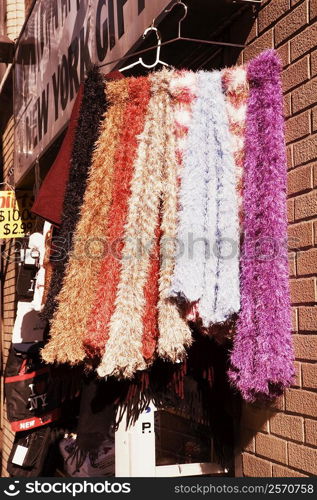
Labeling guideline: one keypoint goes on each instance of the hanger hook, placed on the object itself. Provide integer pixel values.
(153, 28)
(158, 48)
(179, 2)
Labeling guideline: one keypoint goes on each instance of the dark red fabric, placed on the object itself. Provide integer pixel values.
(49, 201)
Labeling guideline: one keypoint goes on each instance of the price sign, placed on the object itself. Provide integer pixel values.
(16, 219)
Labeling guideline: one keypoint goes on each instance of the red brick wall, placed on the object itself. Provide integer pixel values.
(9, 295)
(281, 439)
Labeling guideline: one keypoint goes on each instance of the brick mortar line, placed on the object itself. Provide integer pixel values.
(296, 251)
(308, 108)
(284, 438)
(295, 87)
(306, 335)
(289, 117)
(307, 53)
(279, 410)
(292, 223)
(304, 164)
(289, 196)
(305, 219)
(298, 304)
(296, 414)
(299, 193)
(274, 462)
(304, 388)
(290, 440)
(296, 141)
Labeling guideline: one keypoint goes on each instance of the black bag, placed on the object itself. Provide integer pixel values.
(31, 395)
(29, 452)
(24, 282)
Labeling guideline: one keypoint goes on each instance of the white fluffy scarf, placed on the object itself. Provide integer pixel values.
(207, 270)
(188, 278)
(221, 294)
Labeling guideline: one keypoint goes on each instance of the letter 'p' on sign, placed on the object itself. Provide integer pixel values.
(146, 427)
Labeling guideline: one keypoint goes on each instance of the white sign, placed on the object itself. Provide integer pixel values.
(61, 40)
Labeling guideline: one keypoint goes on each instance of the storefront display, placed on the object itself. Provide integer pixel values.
(157, 197)
(159, 282)
(155, 172)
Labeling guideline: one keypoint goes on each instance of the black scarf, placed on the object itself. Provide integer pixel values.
(92, 109)
(104, 403)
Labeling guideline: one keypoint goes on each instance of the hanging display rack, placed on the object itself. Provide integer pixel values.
(179, 37)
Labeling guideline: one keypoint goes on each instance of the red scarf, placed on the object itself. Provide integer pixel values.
(104, 304)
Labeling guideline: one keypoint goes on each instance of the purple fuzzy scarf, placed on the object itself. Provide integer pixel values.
(262, 358)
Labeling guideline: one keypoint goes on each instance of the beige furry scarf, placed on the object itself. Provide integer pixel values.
(123, 351)
(236, 89)
(174, 332)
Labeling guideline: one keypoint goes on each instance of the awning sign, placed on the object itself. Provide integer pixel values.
(16, 219)
(61, 40)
